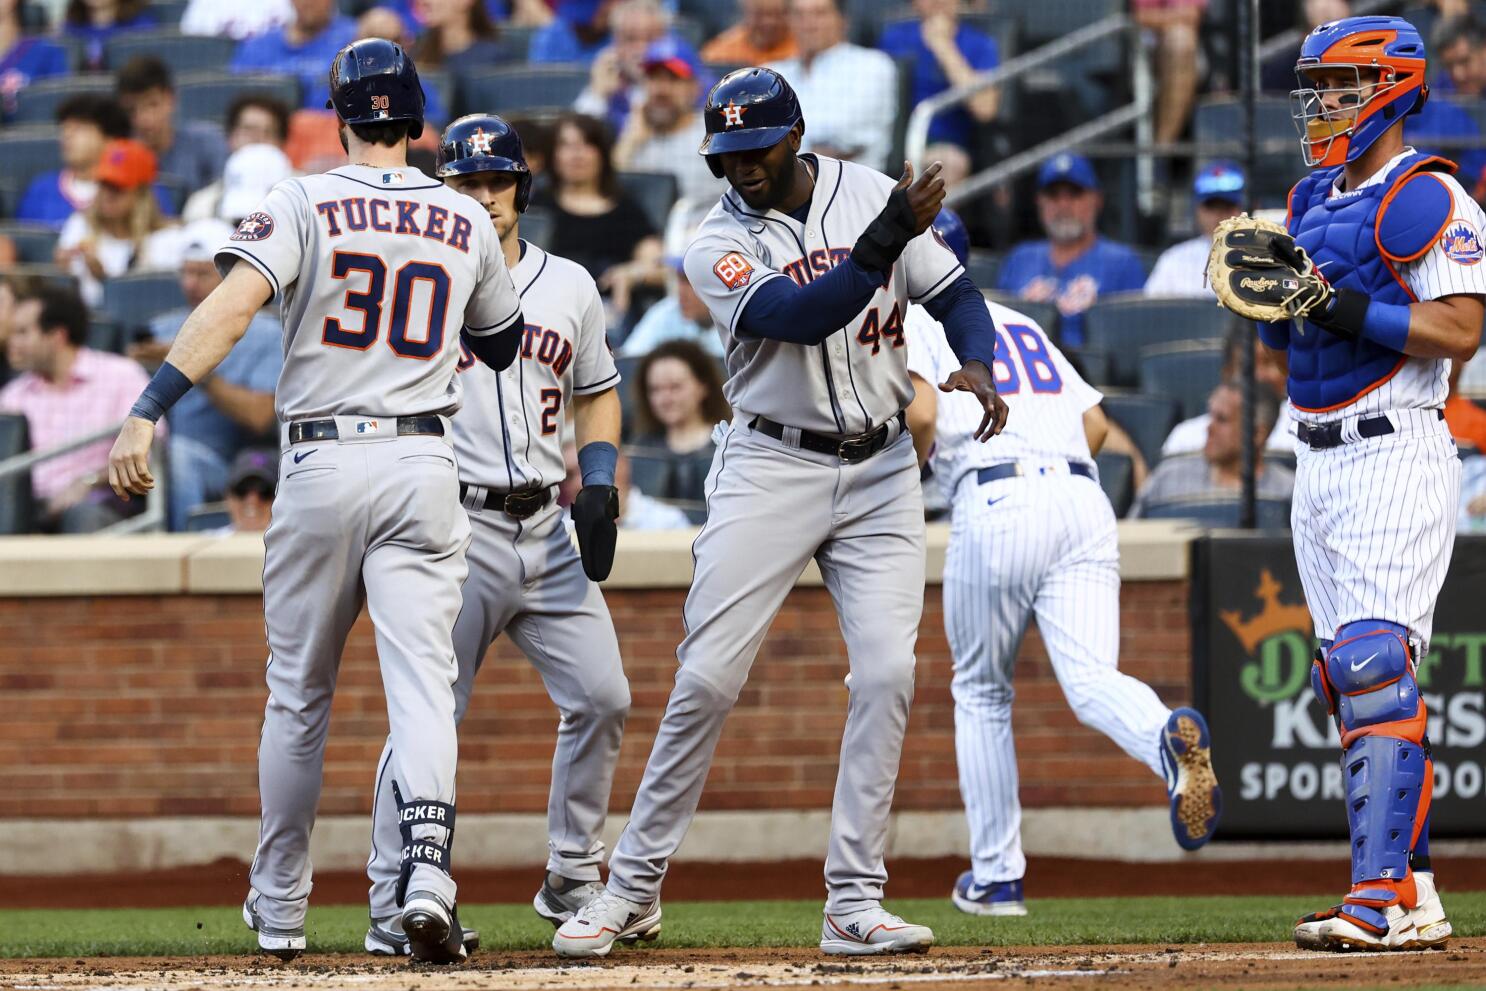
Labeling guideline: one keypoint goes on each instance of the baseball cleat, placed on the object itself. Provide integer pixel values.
(286, 944)
(385, 938)
(596, 927)
(1191, 783)
(875, 930)
(1361, 927)
(996, 898)
(433, 930)
(557, 902)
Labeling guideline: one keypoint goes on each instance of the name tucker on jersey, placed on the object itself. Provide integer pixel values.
(410, 217)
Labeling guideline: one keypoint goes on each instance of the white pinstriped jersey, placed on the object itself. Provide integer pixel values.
(856, 379)
(1046, 396)
(508, 436)
(1454, 265)
(375, 271)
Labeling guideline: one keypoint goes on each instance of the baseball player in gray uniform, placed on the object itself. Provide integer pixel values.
(376, 267)
(807, 264)
(525, 577)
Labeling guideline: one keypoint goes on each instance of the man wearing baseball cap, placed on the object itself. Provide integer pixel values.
(250, 486)
(663, 133)
(1075, 265)
(1217, 194)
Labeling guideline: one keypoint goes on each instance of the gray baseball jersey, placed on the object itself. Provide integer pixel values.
(857, 379)
(509, 434)
(375, 270)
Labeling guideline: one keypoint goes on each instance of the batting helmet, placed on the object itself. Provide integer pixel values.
(484, 143)
(1389, 46)
(373, 81)
(747, 109)
(950, 230)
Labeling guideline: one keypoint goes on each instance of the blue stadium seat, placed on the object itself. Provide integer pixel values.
(181, 52)
(1117, 477)
(207, 95)
(655, 192)
(131, 300)
(1092, 363)
(1123, 325)
(983, 267)
(529, 90)
(105, 335)
(35, 243)
(1186, 371)
(1147, 419)
(1217, 126)
(168, 12)
(37, 102)
(29, 151)
(207, 516)
(16, 509)
(1218, 513)
(1046, 314)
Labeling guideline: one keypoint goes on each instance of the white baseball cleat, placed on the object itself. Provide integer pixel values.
(556, 902)
(1359, 927)
(875, 930)
(286, 944)
(594, 929)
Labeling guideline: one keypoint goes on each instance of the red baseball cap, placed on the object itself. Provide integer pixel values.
(673, 55)
(126, 164)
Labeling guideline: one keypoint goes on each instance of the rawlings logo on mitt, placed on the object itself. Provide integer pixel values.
(1259, 272)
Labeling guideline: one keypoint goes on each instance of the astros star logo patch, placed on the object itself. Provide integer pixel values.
(732, 115)
(480, 141)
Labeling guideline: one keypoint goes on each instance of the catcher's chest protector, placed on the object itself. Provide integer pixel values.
(1357, 240)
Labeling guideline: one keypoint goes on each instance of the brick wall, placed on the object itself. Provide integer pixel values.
(146, 706)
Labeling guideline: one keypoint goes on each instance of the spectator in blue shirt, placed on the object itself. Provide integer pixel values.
(86, 122)
(96, 21)
(1074, 265)
(23, 58)
(193, 151)
(303, 49)
(944, 54)
(230, 409)
(1441, 119)
(577, 34)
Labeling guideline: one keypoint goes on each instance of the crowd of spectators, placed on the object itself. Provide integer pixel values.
(145, 182)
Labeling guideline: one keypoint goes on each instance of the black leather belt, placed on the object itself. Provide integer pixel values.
(1320, 436)
(1013, 469)
(517, 505)
(306, 430)
(851, 450)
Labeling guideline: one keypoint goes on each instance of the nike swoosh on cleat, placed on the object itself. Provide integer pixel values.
(1359, 665)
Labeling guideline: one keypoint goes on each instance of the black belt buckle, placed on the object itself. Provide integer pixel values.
(523, 505)
(854, 450)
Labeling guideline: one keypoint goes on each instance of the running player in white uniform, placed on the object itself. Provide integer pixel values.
(525, 577)
(807, 273)
(1377, 479)
(376, 267)
(1033, 534)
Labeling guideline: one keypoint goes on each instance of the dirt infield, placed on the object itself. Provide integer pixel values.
(1208, 966)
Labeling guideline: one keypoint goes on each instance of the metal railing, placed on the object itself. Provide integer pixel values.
(153, 517)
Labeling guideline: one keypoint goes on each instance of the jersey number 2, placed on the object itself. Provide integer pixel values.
(1037, 367)
(369, 303)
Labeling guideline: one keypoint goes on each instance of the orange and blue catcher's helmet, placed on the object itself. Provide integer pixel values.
(1388, 46)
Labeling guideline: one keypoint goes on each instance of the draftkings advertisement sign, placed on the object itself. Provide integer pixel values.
(1276, 751)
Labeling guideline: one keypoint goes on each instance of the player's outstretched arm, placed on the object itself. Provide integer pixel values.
(208, 335)
(596, 419)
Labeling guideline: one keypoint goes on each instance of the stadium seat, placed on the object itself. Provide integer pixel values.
(517, 41)
(37, 103)
(1092, 363)
(627, 366)
(983, 267)
(16, 510)
(1046, 314)
(1043, 21)
(131, 300)
(168, 12)
(1125, 324)
(1117, 477)
(655, 192)
(207, 95)
(1186, 371)
(536, 227)
(866, 18)
(29, 151)
(49, 275)
(715, 16)
(1147, 419)
(180, 52)
(207, 516)
(531, 90)
(1218, 129)
(35, 244)
(1269, 513)
(105, 335)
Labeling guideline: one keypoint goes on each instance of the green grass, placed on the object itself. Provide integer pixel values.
(1052, 922)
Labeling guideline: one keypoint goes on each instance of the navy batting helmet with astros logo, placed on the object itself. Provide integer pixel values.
(748, 109)
(373, 81)
(484, 143)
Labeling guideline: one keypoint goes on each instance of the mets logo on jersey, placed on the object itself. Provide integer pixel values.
(1462, 243)
(733, 269)
(254, 227)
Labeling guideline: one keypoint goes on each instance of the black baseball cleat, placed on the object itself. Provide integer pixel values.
(385, 938)
(433, 929)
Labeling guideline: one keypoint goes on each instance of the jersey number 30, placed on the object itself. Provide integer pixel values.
(369, 303)
(1019, 344)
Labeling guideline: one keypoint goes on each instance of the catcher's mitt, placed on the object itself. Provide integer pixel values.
(1259, 272)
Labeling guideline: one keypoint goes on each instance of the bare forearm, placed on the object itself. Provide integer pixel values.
(246, 407)
(922, 414)
(597, 418)
(984, 104)
(1445, 328)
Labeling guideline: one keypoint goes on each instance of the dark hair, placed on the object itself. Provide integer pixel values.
(703, 367)
(62, 308)
(1266, 409)
(428, 50)
(277, 108)
(77, 12)
(143, 73)
(1450, 31)
(596, 133)
(101, 111)
(388, 134)
(536, 141)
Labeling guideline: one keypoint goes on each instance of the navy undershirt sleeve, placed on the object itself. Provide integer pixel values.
(782, 311)
(497, 350)
(962, 311)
